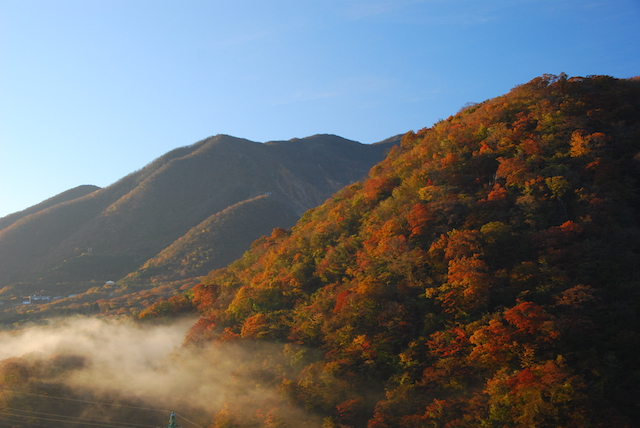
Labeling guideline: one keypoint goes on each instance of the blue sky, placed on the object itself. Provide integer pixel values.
(91, 90)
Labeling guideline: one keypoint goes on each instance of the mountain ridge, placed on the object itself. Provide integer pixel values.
(203, 248)
(133, 219)
(62, 197)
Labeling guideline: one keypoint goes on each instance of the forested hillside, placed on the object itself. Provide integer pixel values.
(486, 274)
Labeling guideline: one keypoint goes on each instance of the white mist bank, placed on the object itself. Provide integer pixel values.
(148, 363)
(101, 340)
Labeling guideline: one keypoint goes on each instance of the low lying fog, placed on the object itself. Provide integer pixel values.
(144, 362)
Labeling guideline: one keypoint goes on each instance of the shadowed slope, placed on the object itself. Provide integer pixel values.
(215, 242)
(66, 196)
(112, 231)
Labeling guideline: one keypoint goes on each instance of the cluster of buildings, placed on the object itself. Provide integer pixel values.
(36, 298)
(12, 301)
(41, 299)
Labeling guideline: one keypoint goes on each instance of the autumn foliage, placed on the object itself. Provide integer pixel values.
(486, 274)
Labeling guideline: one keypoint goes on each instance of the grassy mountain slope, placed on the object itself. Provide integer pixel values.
(27, 244)
(215, 242)
(66, 196)
(486, 274)
(110, 232)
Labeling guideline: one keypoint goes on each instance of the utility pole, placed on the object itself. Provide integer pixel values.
(172, 421)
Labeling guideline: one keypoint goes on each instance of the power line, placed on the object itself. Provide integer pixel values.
(104, 425)
(11, 422)
(92, 402)
(76, 418)
(85, 401)
(182, 417)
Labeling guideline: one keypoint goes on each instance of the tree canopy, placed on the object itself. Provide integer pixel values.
(485, 274)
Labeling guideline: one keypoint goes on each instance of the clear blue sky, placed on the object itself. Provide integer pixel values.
(91, 90)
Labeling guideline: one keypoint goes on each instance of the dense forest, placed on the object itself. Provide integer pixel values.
(485, 274)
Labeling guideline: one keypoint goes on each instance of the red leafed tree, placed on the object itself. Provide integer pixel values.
(420, 218)
(378, 187)
(467, 285)
(527, 317)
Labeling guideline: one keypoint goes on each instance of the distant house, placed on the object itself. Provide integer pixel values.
(110, 283)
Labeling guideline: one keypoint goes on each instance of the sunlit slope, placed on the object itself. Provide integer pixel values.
(112, 231)
(486, 274)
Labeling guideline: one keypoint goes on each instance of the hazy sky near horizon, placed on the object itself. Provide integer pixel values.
(91, 90)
